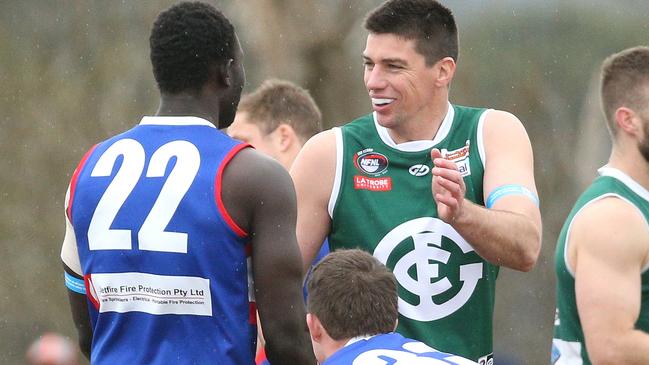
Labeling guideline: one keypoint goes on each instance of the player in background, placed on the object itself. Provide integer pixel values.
(442, 194)
(168, 222)
(277, 119)
(602, 254)
(52, 349)
(352, 314)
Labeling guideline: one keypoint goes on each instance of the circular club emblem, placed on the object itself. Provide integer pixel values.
(372, 163)
(427, 233)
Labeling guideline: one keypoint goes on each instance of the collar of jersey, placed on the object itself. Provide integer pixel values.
(626, 180)
(356, 339)
(416, 146)
(175, 120)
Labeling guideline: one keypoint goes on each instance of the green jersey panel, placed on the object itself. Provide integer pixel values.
(384, 205)
(568, 344)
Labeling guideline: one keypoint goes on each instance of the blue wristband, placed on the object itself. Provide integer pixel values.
(75, 284)
(511, 189)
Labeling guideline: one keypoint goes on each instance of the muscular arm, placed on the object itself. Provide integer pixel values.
(259, 195)
(508, 234)
(78, 302)
(609, 244)
(80, 316)
(313, 174)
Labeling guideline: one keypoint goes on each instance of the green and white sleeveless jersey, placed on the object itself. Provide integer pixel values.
(382, 203)
(568, 345)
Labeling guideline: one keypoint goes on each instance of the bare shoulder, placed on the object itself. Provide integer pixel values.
(251, 169)
(250, 179)
(316, 160)
(504, 124)
(322, 144)
(611, 228)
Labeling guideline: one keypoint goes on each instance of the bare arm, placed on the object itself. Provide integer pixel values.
(78, 302)
(508, 234)
(313, 174)
(609, 243)
(259, 194)
(80, 316)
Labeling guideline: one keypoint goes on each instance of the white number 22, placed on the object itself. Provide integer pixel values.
(152, 235)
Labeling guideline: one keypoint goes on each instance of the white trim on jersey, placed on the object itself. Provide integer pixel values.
(416, 146)
(608, 195)
(626, 180)
(356, 339)
(69, 253)
(480, 138)
(569, 352)
(335, 189)
(173, 120)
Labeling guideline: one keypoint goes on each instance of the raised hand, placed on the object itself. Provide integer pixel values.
(448, 188)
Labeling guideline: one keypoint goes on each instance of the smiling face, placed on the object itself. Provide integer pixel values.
(402, 88)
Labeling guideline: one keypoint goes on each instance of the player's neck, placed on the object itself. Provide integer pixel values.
(422, 127)
(184, 104)
(630, 161)
(331, 346)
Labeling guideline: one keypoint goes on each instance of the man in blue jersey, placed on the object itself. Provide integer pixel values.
(169, 222)
(352, 314)
(277, 119)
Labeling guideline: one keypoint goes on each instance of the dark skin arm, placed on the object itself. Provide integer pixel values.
(259, 195)
(80, 316)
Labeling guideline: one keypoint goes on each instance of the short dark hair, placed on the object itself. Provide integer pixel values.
(353, 294)
(185, 41)
(625, 82)
(279, 101)
(430, 24)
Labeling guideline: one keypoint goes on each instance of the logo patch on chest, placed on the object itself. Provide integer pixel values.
(461, 158)
(369, 162)
(421, 271)
(372, 183)
(419, 170)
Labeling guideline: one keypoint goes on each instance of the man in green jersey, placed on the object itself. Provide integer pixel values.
(603, 249)
(442, 194)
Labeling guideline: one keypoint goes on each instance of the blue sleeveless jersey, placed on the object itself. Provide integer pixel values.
(392, 348)
(165, 267)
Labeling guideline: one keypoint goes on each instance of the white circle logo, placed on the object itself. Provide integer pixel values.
(419, 170)
(427, 233)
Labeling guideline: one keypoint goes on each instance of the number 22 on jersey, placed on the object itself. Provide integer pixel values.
(152, 235)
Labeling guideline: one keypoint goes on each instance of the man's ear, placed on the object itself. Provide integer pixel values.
(445, 71)
(228, 72)
(315, 327)
(286, 136)
(222, 73)
(628, 121)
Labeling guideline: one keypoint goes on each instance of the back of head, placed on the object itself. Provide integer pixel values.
(353, 294)
(429, 23)
(625, 83)
(278, 101)
(186, 40)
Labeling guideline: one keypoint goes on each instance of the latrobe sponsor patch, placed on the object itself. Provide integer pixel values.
(372, 183)
(460, 157)
(149, 293)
